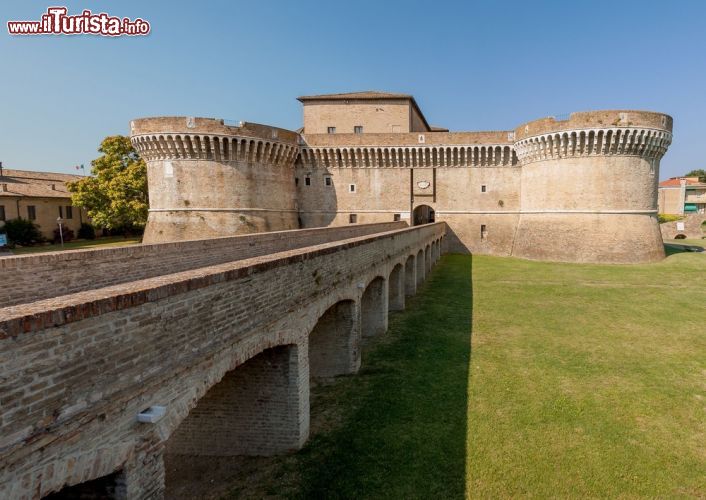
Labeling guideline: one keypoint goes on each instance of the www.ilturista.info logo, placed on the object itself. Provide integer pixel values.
(56, 21)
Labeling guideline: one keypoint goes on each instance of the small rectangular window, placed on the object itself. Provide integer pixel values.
(69, 212)
(332, 130)
(307, 181)
(483, 188)
(2, 212)
(296, 181)
(31, 212)
(397, 217)
(358, 129)
(353, 218)
(351, 188)
(328, 181)
(61, 211)
(483, 232)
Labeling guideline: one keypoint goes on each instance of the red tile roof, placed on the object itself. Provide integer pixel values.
(676, 182)
(26, 183)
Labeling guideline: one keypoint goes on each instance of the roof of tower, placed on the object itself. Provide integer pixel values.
(367, 95)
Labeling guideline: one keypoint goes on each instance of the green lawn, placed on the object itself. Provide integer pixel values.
(588, 380)
(576, 381)
(110, 241)
(693, 241)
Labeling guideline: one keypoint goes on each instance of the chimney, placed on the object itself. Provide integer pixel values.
(3, 188)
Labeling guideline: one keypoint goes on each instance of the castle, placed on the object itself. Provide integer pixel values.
(580, 189)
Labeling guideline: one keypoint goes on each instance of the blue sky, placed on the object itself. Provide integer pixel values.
(471, 66)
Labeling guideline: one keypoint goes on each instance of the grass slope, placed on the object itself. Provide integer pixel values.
(582, 381)
(110, 241)
(588, 380)
(396, 429)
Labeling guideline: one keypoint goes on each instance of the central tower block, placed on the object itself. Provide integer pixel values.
(208, 179)
(589, 187)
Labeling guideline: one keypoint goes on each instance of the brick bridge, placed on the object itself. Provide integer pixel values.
(224, 333)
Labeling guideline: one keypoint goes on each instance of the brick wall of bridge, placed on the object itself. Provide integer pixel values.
(34, 277)
(78, 368)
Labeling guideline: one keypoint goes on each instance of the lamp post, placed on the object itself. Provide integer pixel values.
(59, 220)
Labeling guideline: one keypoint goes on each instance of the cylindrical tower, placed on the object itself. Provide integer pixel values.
(207, 179)
(589, 187)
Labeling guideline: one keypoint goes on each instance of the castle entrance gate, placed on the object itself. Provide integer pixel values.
(423, 214)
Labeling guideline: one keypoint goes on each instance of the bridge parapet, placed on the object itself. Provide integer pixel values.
(79, 368)
(29, 278)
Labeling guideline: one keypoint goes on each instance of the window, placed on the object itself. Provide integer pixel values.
(31, 212)
(328, 181)
(2, 212)
(296, 181)
(358, 129)
(397, 217)
(351, 188)
(353, 218)
(69, 212)
(307, 181)
(483, 188)
(332, 130)
(61, 211)
(483, 232)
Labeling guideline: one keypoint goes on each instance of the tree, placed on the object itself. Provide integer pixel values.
(700, 173)
(115, 196)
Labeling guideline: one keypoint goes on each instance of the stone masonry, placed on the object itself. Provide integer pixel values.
(580, 188)
(77, 367)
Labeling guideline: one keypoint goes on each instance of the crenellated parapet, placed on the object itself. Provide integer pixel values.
(207, 178)
(644, 134)
(629, 141)
(442, 156)
(186, 138)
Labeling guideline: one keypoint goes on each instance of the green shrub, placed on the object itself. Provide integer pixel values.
(22, 232)
(668, 218)
(87, 232)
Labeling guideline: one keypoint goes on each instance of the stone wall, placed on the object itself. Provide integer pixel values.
(33, 277)
(374, 116)
(77, 369)
(207, 179)
(692, 224)
(594, 171)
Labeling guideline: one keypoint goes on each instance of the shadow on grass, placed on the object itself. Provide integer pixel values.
(401, 431)
(671, 248)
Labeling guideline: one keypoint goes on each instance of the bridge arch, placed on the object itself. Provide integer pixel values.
(420, 267)
(373, 308)
(257, 408)
(334, 341)
(396, 288)
(410, 276)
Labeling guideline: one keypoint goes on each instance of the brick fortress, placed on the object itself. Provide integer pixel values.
(582, 189)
